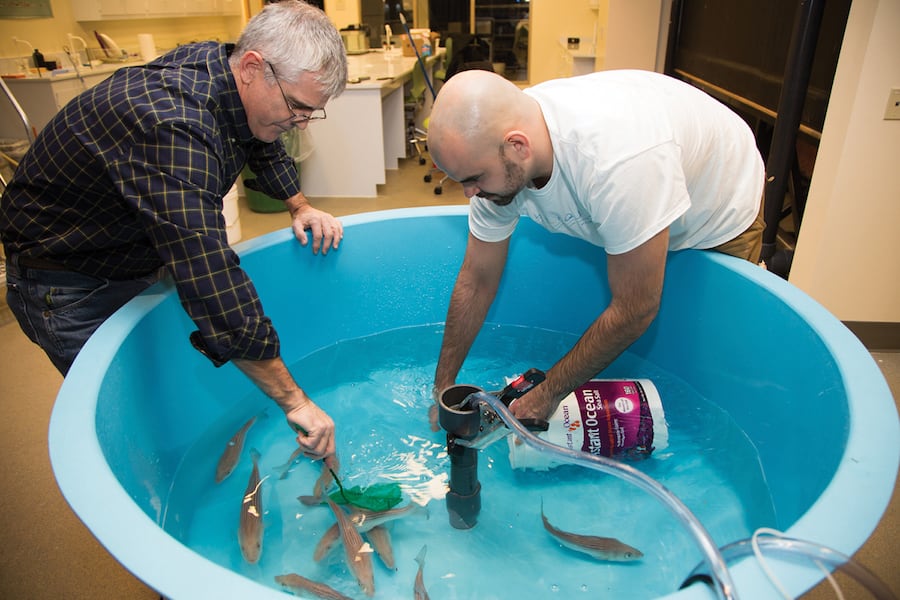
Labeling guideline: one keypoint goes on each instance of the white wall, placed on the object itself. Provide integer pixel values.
(847, 255)
(551, 20)
(632, 34)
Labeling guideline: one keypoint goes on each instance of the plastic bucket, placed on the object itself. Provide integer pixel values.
(258, 201)
(608, 417)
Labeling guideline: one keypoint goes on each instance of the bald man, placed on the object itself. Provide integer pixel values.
(635, 162)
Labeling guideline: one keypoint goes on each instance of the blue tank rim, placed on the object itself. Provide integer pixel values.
(868, 469)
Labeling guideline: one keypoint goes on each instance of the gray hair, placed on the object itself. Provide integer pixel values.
(296, 38)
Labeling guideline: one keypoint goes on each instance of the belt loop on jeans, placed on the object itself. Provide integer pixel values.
(12, 265)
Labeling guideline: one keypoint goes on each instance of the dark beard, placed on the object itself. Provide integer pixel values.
(514, 176)
(502, 200)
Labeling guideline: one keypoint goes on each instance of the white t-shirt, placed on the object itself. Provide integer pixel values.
(635, 152)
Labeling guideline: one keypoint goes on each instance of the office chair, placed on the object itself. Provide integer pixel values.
(439, 188)
(415, 137)
(470, 52)
(13, 149)
(441, 74)
(471, 58)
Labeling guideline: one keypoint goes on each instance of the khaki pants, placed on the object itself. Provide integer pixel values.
(747, 245)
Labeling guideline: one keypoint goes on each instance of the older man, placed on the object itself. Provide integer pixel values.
(129, 178)
(635, 162)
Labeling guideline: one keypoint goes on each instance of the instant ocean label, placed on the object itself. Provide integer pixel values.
(610, 418)
(613, 418)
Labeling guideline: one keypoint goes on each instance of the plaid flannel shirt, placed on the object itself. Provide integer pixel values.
(130, 175)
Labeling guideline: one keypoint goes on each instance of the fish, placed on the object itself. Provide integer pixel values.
(380, 538)
(250, 529)
(310, 500)
(232, 451)
(302, 584)
(285, 469)
(357, 554)
(365, 519)
(330, 466)
(326, 542)
(419, 591)
(601, 548)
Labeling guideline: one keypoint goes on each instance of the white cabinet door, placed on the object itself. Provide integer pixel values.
(166, 8)
(122, 9)
(99, 10)
(201, 7)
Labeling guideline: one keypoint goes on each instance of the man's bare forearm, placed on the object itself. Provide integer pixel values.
(274, 379)
(465, 317)
(474, 292)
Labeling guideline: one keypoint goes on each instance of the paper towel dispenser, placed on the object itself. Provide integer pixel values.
(356, 38)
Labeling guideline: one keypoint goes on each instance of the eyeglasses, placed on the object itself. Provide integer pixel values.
(297, 116)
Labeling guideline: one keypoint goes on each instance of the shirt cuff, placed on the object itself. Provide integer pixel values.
(259, 344)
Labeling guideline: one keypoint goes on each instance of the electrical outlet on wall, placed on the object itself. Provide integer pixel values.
(893, 106)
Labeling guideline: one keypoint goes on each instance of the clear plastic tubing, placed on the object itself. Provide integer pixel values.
(785, 547)
(719, 571)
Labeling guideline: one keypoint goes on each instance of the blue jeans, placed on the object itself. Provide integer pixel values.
(59, 310)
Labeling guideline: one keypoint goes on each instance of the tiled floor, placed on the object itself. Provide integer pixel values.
(47, 553)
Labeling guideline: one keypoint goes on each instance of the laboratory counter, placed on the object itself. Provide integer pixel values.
(365, 132)
(363, 136)
(42, 97)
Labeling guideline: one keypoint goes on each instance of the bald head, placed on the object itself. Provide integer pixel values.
(474, 110)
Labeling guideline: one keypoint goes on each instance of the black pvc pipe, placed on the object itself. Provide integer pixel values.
(464, 493)
(790, 108)
(461, 423)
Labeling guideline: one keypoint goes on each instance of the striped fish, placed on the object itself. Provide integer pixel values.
(601, 548)
(363, 519)
(327, 542)
(301, 584)
(419, 591)
(232, 451)
(357, 554)
(250, 529)
(380, 538)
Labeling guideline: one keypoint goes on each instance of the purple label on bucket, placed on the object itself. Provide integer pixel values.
(614, 418)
